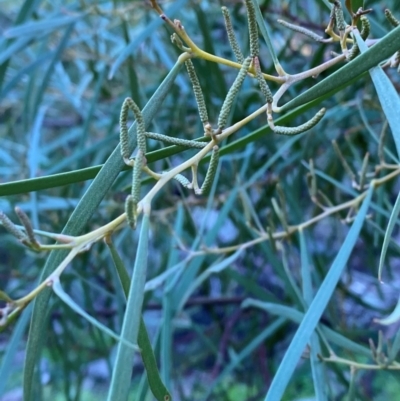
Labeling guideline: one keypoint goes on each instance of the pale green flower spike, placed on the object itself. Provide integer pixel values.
(332, 14)
(212, 169)
(253, 30)
(301, 128)
(123, 130)
(302, 30)
(226, 107)
(176, 141)
(391, 18)
(198, 93)
(140, 162)
(133, 199)
(130, 210)
(24, 219)
(365, 30)
(12, 228)
(231, 36)
(262, 82)
(183, 180)
(140, 128)
(365, 27)
(340, 22)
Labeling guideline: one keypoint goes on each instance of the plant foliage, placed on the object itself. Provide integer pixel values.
(239, 230)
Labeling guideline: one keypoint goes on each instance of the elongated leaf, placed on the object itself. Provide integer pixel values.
(152, 378)
(392, 318)
(33, 28)
(394, 350)
(292, 284)
(121, 269)
(215, 76)
(189, 274)
(24, 14)
(163, 277)
(215, 268)
(305, 270)
(317, 367)
(317, 307)
(167, 329)
(92, 108)
(297, 316)
(265, 33)
(54, 60)
(33, 158)
(13, 48)
(80, 154)
(7, 360)
(387, 94)
(121, 376)
(352, 393)
(371, 132)
(57, 288)
(76, 224)
(25, 71)
(156, 385)
(386, 241)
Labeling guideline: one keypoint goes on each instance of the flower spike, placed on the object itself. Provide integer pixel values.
(302, 30)
(226, 107)
(12, 228)
(253, 30)
(24, 219)
(198, 93)
(391, 18)
(231, 36)
(300, 129)
(140, 128)
(262, 82)
(210, 175)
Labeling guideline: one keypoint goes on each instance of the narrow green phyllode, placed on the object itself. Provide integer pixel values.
(122, 372)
